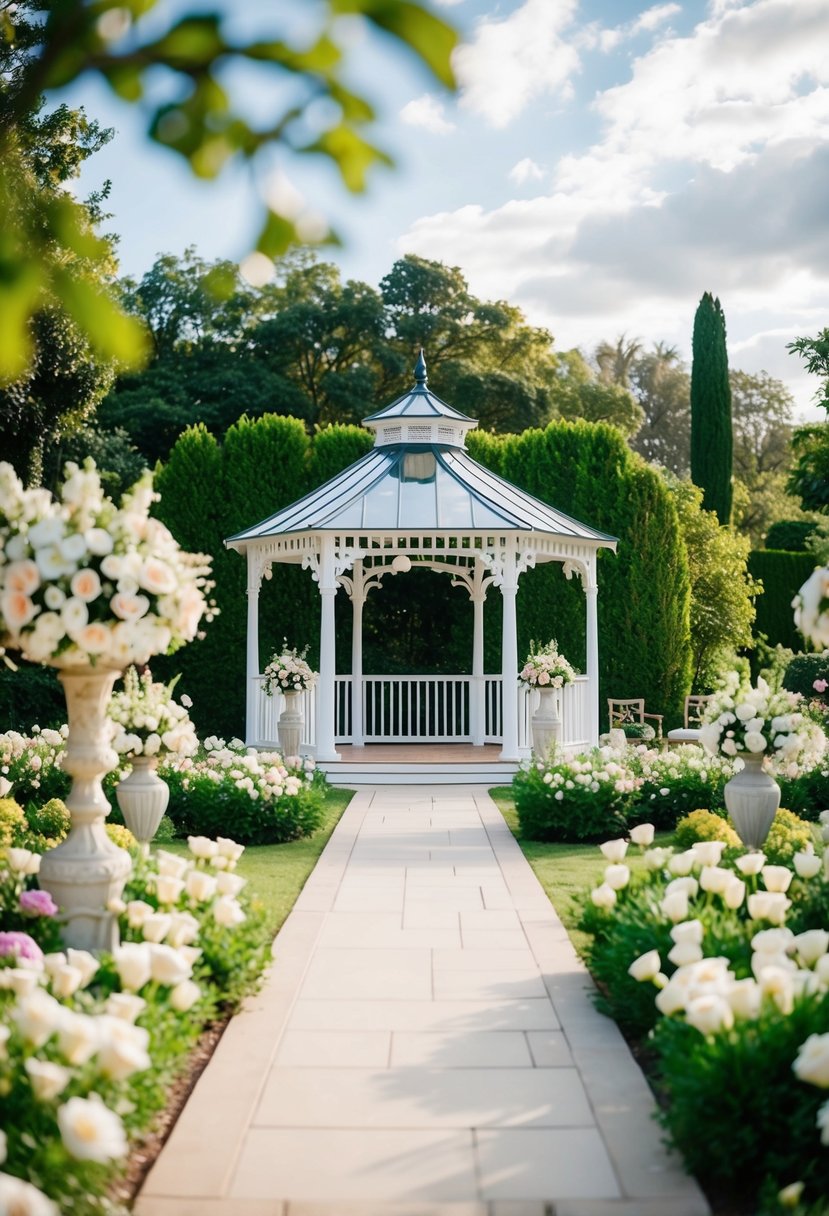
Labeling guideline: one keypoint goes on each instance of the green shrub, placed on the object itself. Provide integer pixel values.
(704, 825)
(788, 835)
(790, 535)
(12, 823)
(571, 800)
(674, 781)
(807, 794)
(49, 820)
(803, 670)
(782, 575)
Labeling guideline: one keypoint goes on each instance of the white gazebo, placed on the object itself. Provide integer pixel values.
(419, 499)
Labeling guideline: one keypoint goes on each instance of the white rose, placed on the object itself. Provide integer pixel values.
(777, 878)
(75, 616)
(22, 576)
(53, 597)
(709, 1014)
(94, 638)
(754, 741)
(91, 1131)
(78, 1038)
(98, 541)
(168, 966)
(123, 1049)
(47, 1079)
(646, 966)
(86, 585)
(642, 834)
(614, 850)
(227, 912)
(20, 1198)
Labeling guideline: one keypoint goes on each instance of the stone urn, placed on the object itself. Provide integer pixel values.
(752, 797)
(546, 722)
(289, 726)
(143, 797)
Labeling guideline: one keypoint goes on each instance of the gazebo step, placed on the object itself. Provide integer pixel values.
(483, 773)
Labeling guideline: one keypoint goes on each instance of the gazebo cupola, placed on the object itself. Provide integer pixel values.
(419, 499)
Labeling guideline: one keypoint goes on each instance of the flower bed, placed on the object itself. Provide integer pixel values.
(91, 1046)
(721, 960)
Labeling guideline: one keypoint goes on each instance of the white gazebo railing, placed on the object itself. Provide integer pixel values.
(423, 709)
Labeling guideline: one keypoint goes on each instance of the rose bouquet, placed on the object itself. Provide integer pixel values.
(741, 720)
(546, 668)
(148, 721)
(83, 581)
(288, 672)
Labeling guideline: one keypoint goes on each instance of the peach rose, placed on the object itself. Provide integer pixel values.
(22, 576)
(94, 638)
(17, 610)
(156, 577)
(129, 607)
(86, 585)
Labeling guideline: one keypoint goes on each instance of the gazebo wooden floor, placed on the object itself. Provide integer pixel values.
(419, 753)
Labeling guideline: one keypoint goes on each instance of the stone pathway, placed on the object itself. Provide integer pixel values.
(425, 1045)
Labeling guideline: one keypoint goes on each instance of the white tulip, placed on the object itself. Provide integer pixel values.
(123, 1049)
(773, 941)
(168, 965)
(684, 953)
(65, 980)
(734, 893)
(708, 852)
(768, 905)
(38, 1017)
(812, 1062)
(671, 999)
(91, 1131)
(168, 889)
(808, 865)
(47, 1079)
(125, 1005)
(822, 1122)
(183, 930)
(811, 946)
(228, 913)
(603, 897)
(156, 927)
(229, 884)
(85, 962)
(133, 962)
(614, 850)
(688, 884)
(202, 847)
(750, 863)
(642, 834)
(709, 1014)
(675, 906)
(744, 997)
(714, 879)
(682, 863)
(777, 878)
(171, 865)
(690, 931)
(78, 1038)
(777, 983)
(184, 996)
(656, 859)
(229, 848)
(646, 967)
(22, 981)
(137, 912)
(200, 886)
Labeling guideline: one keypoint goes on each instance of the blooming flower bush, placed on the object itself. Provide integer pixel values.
(722, 959)
(84, 581)
(576, 799)
(148, 720)
(546, 668)
(288, 672)
(741, 721)
(89, 1046)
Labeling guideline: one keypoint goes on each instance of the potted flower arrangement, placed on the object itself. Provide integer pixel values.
(546, 670)
(753, 725)
(90, 587)
(148, 724)
(289, 674)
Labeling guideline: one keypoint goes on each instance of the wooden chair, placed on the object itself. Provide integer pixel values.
(694, 712)
(623, 713)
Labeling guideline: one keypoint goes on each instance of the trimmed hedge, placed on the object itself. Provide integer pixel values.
(210, 490)
(790, 534)
(782, 575)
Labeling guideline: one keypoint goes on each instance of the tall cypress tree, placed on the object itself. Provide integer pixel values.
(711, 437)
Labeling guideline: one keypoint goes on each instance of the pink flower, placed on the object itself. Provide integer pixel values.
(21, 946)
(820, 685)
(37, 903)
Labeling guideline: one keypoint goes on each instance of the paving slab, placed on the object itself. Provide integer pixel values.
(425, 1044)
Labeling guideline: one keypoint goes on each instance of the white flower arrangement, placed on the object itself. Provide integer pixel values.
(83, 581)
(288, 672)
(546, 668)
(742, 721)
(811, 608)
(148, 721)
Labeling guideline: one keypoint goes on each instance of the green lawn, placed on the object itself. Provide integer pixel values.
(564, 870)
(277, 872)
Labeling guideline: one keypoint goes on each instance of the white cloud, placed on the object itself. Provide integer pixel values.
(511, 61)
(709, 174)
(654, 17)
(525, 170)
(429, 113)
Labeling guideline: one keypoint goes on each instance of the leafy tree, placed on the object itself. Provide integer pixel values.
(615, 362)
(207, 123)
(579, 393)
(722, 590)
(711, 440)
(809, 478)
(119, 461)
(661, 385)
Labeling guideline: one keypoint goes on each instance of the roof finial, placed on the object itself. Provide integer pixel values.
(420, 368)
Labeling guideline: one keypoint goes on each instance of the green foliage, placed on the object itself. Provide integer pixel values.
(802, 671)
(809, 478)
(199, 806)
(789, 834)
(49, 820)
(782, 575)
(30, 695)
(711, 433)
(733, 1103)
(203, 118)
(815, 352)
(704, 825)
(790, 534)
(553, 803)
(12, 823)
(722, 590)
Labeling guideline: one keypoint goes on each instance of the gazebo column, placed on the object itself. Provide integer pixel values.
(591, 593)
(509, 659)
(358, 598)
(325, 688)
(252, 658)
(477, 705)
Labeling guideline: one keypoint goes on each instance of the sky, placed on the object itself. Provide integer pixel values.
(603, 163)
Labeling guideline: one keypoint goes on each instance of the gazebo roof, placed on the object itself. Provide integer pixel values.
(419, 478)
